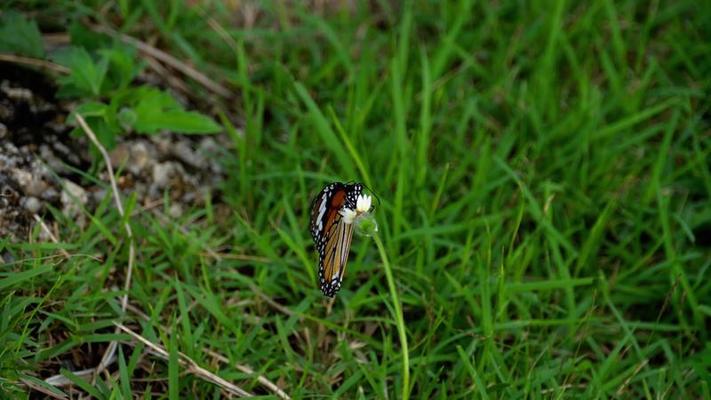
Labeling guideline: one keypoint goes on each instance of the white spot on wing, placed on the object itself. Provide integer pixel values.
(322, 211)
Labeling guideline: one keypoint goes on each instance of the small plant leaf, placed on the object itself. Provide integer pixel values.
(102, 119)
(86, 76)
(123, 67)
(20, 36)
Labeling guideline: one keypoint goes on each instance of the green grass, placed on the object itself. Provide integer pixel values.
(544, 176)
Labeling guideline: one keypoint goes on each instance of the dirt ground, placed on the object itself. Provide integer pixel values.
(43, 165)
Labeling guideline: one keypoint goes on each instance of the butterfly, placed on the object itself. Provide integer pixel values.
(333, 213)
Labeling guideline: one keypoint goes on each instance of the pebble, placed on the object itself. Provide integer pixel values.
(13, 93)
(135, 157)
(186, 154)
(210, 149)
(52, 161)
(140, 158)
(162, 172)
(31, 204)
(72, 198)
(51, 195)
(120, 155)
(176, 210)
(22, 177)
(36, 188)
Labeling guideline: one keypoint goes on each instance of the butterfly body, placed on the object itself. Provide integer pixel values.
(332, 231)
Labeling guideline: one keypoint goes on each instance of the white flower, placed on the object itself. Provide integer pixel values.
(363, 203)
(348, 215)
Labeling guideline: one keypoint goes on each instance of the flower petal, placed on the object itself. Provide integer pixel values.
(348, 215)
(363, 203)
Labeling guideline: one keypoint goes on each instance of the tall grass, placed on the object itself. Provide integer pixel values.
(543, 170)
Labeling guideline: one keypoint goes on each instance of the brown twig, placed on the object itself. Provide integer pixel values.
(35, 62)
(173, 80)
(168, 59)
(192, 366)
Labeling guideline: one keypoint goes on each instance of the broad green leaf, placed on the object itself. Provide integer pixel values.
(156, 111)
(176, 121)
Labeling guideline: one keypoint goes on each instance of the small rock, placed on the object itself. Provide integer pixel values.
(135, 157)
(72, 198)
(22, 177)
(98, 195)
(176, 210)
(161, 174)
(50, 195)
(73, 192)
(211, 150)
(65, 152)
(163, 145)
(54, 163)
(186, 154)
(140, 158)
(36, 188)
(16, 93)
(120, 155)
(31, 204)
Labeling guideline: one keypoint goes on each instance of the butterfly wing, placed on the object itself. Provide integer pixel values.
(320, 209)
(333, 260)
(331, 235)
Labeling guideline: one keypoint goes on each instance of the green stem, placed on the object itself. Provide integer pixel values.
(399, 320)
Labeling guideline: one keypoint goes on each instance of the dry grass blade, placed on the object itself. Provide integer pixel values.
(49, 233)
(271, 301)
(622, 388)
(168, 59)
(61, 380)
(119, 205)
(219, 357)
(43, 390)
(192, 366)
(109, 354)
(108, 357)
(247, 370)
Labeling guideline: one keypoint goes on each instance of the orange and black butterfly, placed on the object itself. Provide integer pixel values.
(332, 214)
